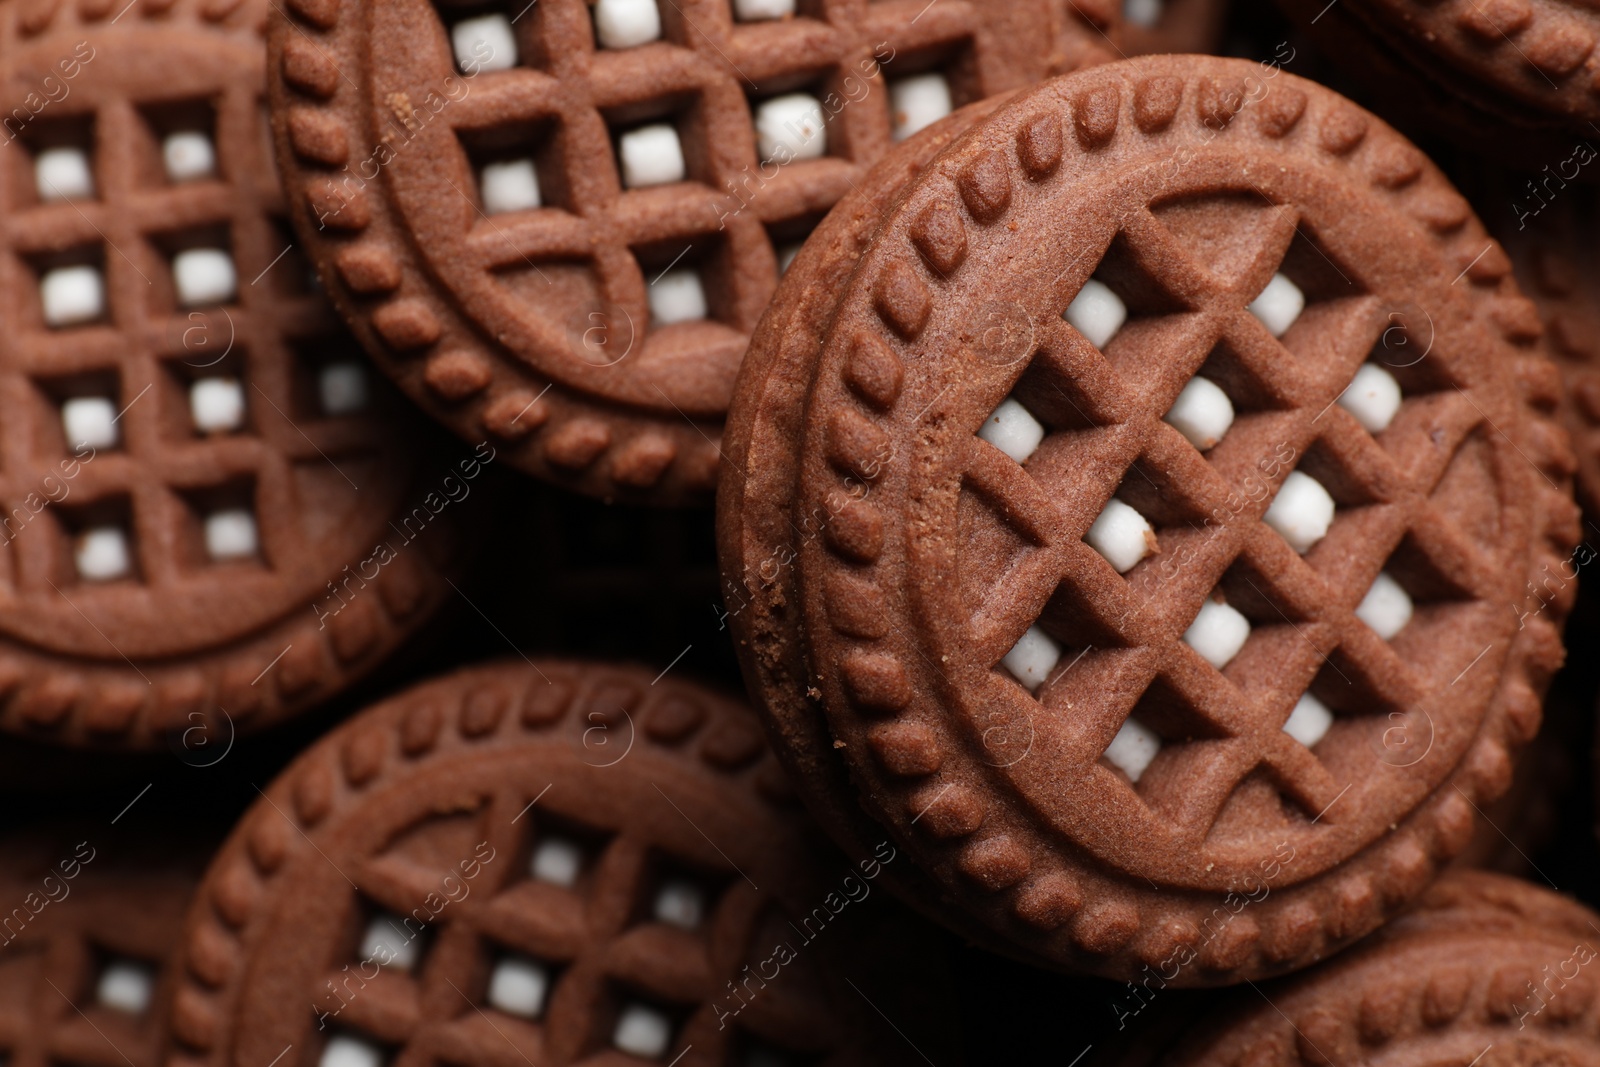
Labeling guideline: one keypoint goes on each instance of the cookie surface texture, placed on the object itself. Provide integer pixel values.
(558, 226)
(85, 958)
(554, 858)
(1529, 62)
(194, 448)
(1123, 505)
(1486, 965)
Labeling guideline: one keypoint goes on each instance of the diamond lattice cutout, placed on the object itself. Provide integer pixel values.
(1164, 719)
(916, 699)
(1225, 234)
(732, 162)
(1333, 498)
(575, 939)
(1469, 480)
(1351, 690)
(1057, 386)
(999, 548)
(1152, 324)
(1313, 297)
(1280, 619)
(679, 897)
(1245, 382)
(396, 943)
(1292, 478)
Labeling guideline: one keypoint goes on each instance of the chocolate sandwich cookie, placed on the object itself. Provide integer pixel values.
(1129, 508)
(547, 861)
(1487, 969)
(557, 225)
(86, 932)
(196, 464)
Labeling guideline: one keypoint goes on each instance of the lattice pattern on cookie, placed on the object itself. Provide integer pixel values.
(1280, 434)
(145, 329)
(625, 182)
(681, 190)
(913, 684)
(79, 986)
(116, 999)
(576, 929)
(196, 448)
(597, 940)
(1274, 435)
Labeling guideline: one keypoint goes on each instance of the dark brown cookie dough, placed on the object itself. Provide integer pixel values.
(1503, 79)
(567, 861)
(88, 921)
(193, 455)
(564, 244)
(1486, 969)
(1316, 637)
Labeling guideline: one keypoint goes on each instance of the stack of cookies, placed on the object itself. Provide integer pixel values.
(797, 532)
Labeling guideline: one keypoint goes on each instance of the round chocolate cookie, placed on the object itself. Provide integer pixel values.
(196, 464)
(1487, 970)
(1128, 509)
(557, 224)
(546, 861)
